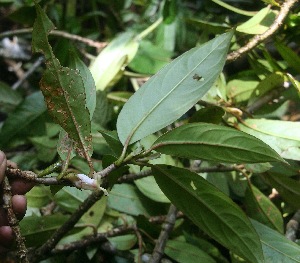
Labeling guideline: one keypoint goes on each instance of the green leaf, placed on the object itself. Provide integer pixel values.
(119, 97)
(289, 56)
(127, 199)
(9, 98)
(210, 209)
(38, 196)
(149, 188)
(215, 143)
(219, 180)
(124, 242)
(207, 246)
(169, 11)
(111, 137)
(95, 213)
(112, 59)
(88, 81)
(149, 58)
(46, 147)
(282, 136)
(294, 82)
(173, 90)
(276, 247)
(240, 90)
(63, 89)
(259, 23)
(288, 188)
(271, 2)
(211, 114)
(37, 230)
(272, 81)
(260, 208)
(258, 167)
(103, 111)
(207, 26)
(22, 118)
(183, 252)
(65, 146)
(69, 198)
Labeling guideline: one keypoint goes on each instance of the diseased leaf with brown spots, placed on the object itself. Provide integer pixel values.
(63, 89)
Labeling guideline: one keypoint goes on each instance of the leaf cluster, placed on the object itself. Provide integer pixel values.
(159, 118)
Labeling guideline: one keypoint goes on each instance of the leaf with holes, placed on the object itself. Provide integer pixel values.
(173, 90)
(63, 89)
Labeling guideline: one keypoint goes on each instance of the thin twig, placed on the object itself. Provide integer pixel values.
(46, 249)
(92, 239)
(167, 227)
(140, 243)
(262, 101)
(84, 40)
(215, 169)
(162, 218)
(34, 66)
(106, 171)
(134, 176)
(285, 8)
(292, 227)
(32, 177)
(13, 222)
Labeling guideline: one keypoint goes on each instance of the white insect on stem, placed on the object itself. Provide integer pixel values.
(82, 181)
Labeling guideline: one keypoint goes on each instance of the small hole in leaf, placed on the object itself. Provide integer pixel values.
(91, 213)
(197, 77)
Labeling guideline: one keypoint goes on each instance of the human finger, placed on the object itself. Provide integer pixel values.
(6, 236)
(20, 187)
(19, 204)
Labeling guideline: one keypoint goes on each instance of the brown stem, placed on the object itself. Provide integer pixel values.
(13, 222)
(292, 227)
(46, 249)
(84, 40)
(264, 100)
(92, 239)
(285, 8)
(164, 235)
(134, 176)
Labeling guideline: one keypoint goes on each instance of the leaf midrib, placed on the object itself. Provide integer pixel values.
(268, 133)
(206, 144)
(205, 205)
(56, 70)
(163, 98)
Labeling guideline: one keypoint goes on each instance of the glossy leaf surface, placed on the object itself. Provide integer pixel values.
(216, 143)
(210, 209)
(173, 90)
